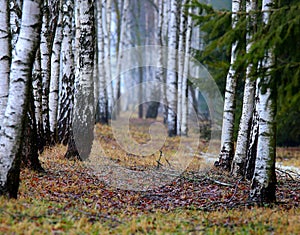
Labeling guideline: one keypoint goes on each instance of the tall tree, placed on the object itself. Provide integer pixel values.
(172, 65)
(21, 72)
(117, 92)
(184, 97)
(240, 156)
(107, 4)
(83, 118)
(102, 105)
(55, 75)
(227, 146)
(263, 184)
(5, 52)
(67, 81)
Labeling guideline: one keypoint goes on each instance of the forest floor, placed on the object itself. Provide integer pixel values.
(73, 198)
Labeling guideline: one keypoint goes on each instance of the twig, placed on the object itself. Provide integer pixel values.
(285, 172)
(235, 190)
(219, 182)
(158, 161)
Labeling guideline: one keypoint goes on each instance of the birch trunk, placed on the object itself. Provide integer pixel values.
(37, 96)
(239, 160)
(184, 98)
(83, 120)
(152, 110)
(171, 73)
(5, 52)
(67, 83)
(15, 19)
(102, 100)
(227, 146)
(45, 70)
(263, 184)
(181, 51)
(55, 75)
(117, 92)
(107, 42)
(21, 71)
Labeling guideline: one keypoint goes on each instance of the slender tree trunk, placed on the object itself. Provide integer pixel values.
(102, 100)
(184, 98)
(83, 119)
(117, 93)
(55, 75)
(67, 84)
(227, 146)
(152, 110)
(263, 184)
(37, 94)
(13, 123)
(45, 70)
(181, 51)
(107, 41)
(239, 160)
(171, 73)
(5, 52)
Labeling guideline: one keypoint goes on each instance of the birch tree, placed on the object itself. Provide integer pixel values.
(240, 156)
(181, 51)
(5, 52)
(102, 106)
(55, 75)
(171, 73)
(67, 80)
(83, 118)
(184, 98)
(152, 110)
(21, 71)
(117, 92)
(227, 146)
(107, 41)
(45, 69)
(263, 184)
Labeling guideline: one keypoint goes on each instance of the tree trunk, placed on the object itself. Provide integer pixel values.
(263, 184)
(227, 146)
(21, 71)
(107, 42)
(239, 160)
(5, 52)
(102, 106)
(67, 84)
(172, 72)
(45, 49)
(184, 97)
(55, 75)
(83, 118)
(181, 53)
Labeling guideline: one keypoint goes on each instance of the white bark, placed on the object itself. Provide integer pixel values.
(55, 73)
(120, 52)
(21, 71)
(107, 41)
(184, 99)
(15, 19)
(5, 53)
(83, 120)
(264, 178)
(226, 152)
(181, 50)
(102, 100)
(67, 80)
(171, 73)
(45, 68)
(242, 144)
